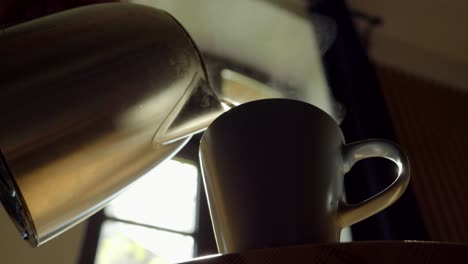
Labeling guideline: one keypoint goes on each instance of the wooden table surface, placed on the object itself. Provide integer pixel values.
(382, 252)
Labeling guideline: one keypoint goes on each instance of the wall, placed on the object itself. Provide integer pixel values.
(64, 249)
(430, 121)
(425, 38)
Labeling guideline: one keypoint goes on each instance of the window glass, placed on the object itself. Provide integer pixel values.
(166, 197)
(121, 243)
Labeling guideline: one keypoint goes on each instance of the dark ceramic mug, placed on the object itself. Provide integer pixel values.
(274, 169)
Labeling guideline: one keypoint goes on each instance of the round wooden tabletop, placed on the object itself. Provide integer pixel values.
(382, 252)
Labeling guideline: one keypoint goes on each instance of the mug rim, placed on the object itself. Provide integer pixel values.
(241, 107)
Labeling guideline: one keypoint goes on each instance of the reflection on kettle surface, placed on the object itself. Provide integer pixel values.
(80, 119)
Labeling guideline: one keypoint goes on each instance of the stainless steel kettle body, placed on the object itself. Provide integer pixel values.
(88, 97)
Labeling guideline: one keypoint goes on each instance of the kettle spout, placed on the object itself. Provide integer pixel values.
(194, 112)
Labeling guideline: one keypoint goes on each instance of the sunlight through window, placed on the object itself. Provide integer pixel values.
(152, 221)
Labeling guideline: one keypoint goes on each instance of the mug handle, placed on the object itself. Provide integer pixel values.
(349, 214)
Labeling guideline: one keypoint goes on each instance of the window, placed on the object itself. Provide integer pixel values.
(161, 218)
(154, 220)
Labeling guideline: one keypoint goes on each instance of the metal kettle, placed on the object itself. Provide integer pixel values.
(92, 98)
